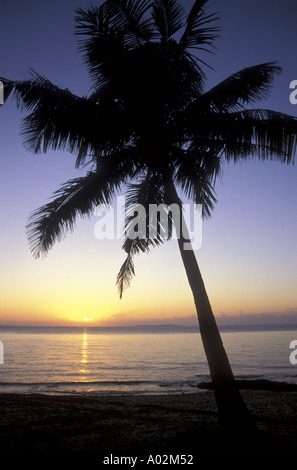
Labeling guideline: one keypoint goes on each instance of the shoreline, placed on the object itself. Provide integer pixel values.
(131, 424)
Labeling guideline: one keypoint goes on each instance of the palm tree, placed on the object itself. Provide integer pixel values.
(150, 127)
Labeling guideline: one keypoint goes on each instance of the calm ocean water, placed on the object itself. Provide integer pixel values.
(135, 360)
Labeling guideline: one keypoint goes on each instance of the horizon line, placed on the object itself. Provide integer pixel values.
(147, 325)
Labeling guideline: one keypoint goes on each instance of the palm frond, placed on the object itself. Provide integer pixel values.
(24, 92)
(125, 275)
(169, 17)
(245, 87)
(258, 133)
(195, 174)
(152, 228)
(58, 118)
(148, 223)
(109, 31)
(77, 197)
(101, 43)
(197, 34)
(130, 20)
(95, 20)
(61, 120)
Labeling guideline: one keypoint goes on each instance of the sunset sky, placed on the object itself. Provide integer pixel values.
(248, 256)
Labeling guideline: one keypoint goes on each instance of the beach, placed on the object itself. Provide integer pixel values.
(127, 425)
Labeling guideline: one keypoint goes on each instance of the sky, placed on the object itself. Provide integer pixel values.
(248, 256)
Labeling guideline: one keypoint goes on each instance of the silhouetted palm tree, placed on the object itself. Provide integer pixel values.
(150, 127)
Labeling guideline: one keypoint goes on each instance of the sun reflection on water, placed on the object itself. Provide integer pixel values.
(84, 370)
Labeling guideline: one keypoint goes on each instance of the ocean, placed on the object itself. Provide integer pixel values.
(135, 360)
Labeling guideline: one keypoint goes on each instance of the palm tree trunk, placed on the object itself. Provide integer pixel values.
(234, 417)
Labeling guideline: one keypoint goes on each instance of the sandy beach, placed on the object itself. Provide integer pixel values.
(141, 424)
